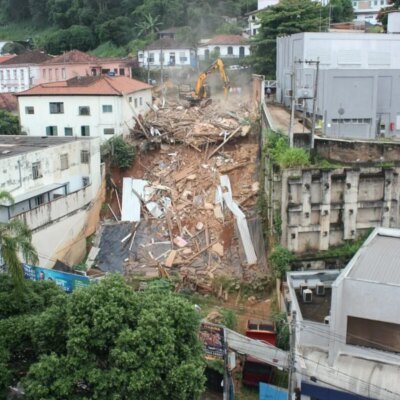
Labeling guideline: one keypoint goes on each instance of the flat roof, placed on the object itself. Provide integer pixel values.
(12, 145)
(379, 258)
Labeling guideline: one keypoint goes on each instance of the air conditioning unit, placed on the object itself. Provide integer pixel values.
(303, 287)
(320, 289)
(327, 320)
(307, 296)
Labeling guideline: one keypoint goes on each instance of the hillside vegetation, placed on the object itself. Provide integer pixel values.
(113, 27)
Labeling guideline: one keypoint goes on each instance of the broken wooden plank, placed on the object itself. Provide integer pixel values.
(170, 259)
(224, 142)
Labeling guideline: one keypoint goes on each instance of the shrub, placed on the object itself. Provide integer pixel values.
(122, 153)
(279, 261)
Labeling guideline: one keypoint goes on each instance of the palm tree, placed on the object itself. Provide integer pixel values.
(148, 26)
(16, 240)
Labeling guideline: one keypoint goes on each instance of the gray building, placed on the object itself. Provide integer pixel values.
(358, 85)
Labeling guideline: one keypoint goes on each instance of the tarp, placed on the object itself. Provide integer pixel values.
(269, 392)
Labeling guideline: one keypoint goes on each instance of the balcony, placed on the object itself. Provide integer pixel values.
(56, 209)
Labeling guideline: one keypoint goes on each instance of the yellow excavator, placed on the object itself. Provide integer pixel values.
(201, 93)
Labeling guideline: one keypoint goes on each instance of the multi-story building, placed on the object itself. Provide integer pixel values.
(100, 106)
(76, 63)
(347, 331)
(368, 10)
(21, 72)
(56, 185)
(225, 46)
(358, 86)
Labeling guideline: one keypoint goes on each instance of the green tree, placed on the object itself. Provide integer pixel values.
(148, 26)
(120, 153)
(116, 30)
(9, 123)
(118, 344)
(341, 10)
(286, 18)
(13, 48)
(279, 261)
(16, 240)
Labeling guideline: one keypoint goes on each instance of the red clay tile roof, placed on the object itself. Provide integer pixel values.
(30, 57)
(89, 86)
(72, 57)
(226, 39)
(8, 101)
(6, 57)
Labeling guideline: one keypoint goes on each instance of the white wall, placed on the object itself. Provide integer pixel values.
(17, 78)
(224, 50)
(35, 124)
(185, 54)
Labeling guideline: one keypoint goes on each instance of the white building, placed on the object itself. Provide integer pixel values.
(100, 106)
(21, 72)
(348, 324)
(168, 53)
(368, 10)
(224, 46)
(56, 185)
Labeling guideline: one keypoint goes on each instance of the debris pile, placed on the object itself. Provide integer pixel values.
(194, 126)
(189, 209)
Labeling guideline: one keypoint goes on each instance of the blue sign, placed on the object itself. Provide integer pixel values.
(270, 392)
(68, 282)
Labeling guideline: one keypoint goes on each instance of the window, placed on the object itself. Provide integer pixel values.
(56, 73)
(21, 73)
(241, 51)
(84, 110)
(130, 99)
(85, 130)
(140, 101)
(230, 50)
(29, 110)
(140, 55)
(44, 73)
(107, 108)
(122, 71)
(63, 73)
(50, 74)
(85, 181)
(56, 108)
(182, 57)
(51, 130)
(1, 75)
(68, 132)
(38, 200)
(85, 155)
(150, 59)
(135, 103)
(64, 161)
(14, 73)
(109, 131)
(8, 74)
(36, 170)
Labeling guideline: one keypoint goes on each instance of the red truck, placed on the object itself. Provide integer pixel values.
(255, 371)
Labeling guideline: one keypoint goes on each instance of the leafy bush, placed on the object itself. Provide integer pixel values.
(282, 330)
(9, 124)
(229, 319)
(279, 261)
(120, 153)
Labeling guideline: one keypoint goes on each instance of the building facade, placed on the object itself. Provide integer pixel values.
(348, 325)
(76, 63)
(368, 10)
(56, 184)
(21, 72)
(224, 46)
(100, 106)
(358, 85)
(167, 52)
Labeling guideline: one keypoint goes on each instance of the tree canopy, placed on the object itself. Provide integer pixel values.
(341, 10)
(285, 18)
(117, 21)
(9, 123)
(104, 342)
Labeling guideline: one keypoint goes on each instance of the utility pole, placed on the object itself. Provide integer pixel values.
(293, 105)
(292, 356)
(314, 104)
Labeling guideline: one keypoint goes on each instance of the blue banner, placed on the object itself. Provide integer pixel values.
(68, 282)
(270, 392)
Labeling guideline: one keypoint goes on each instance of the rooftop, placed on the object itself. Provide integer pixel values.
(379, 258)
(8, 102)
(88, 85)
(12, 145)
(167, 43)
(30, 57)
(72, 57)
(226, 39)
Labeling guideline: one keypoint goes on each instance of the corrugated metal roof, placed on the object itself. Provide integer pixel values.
(379, 261)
